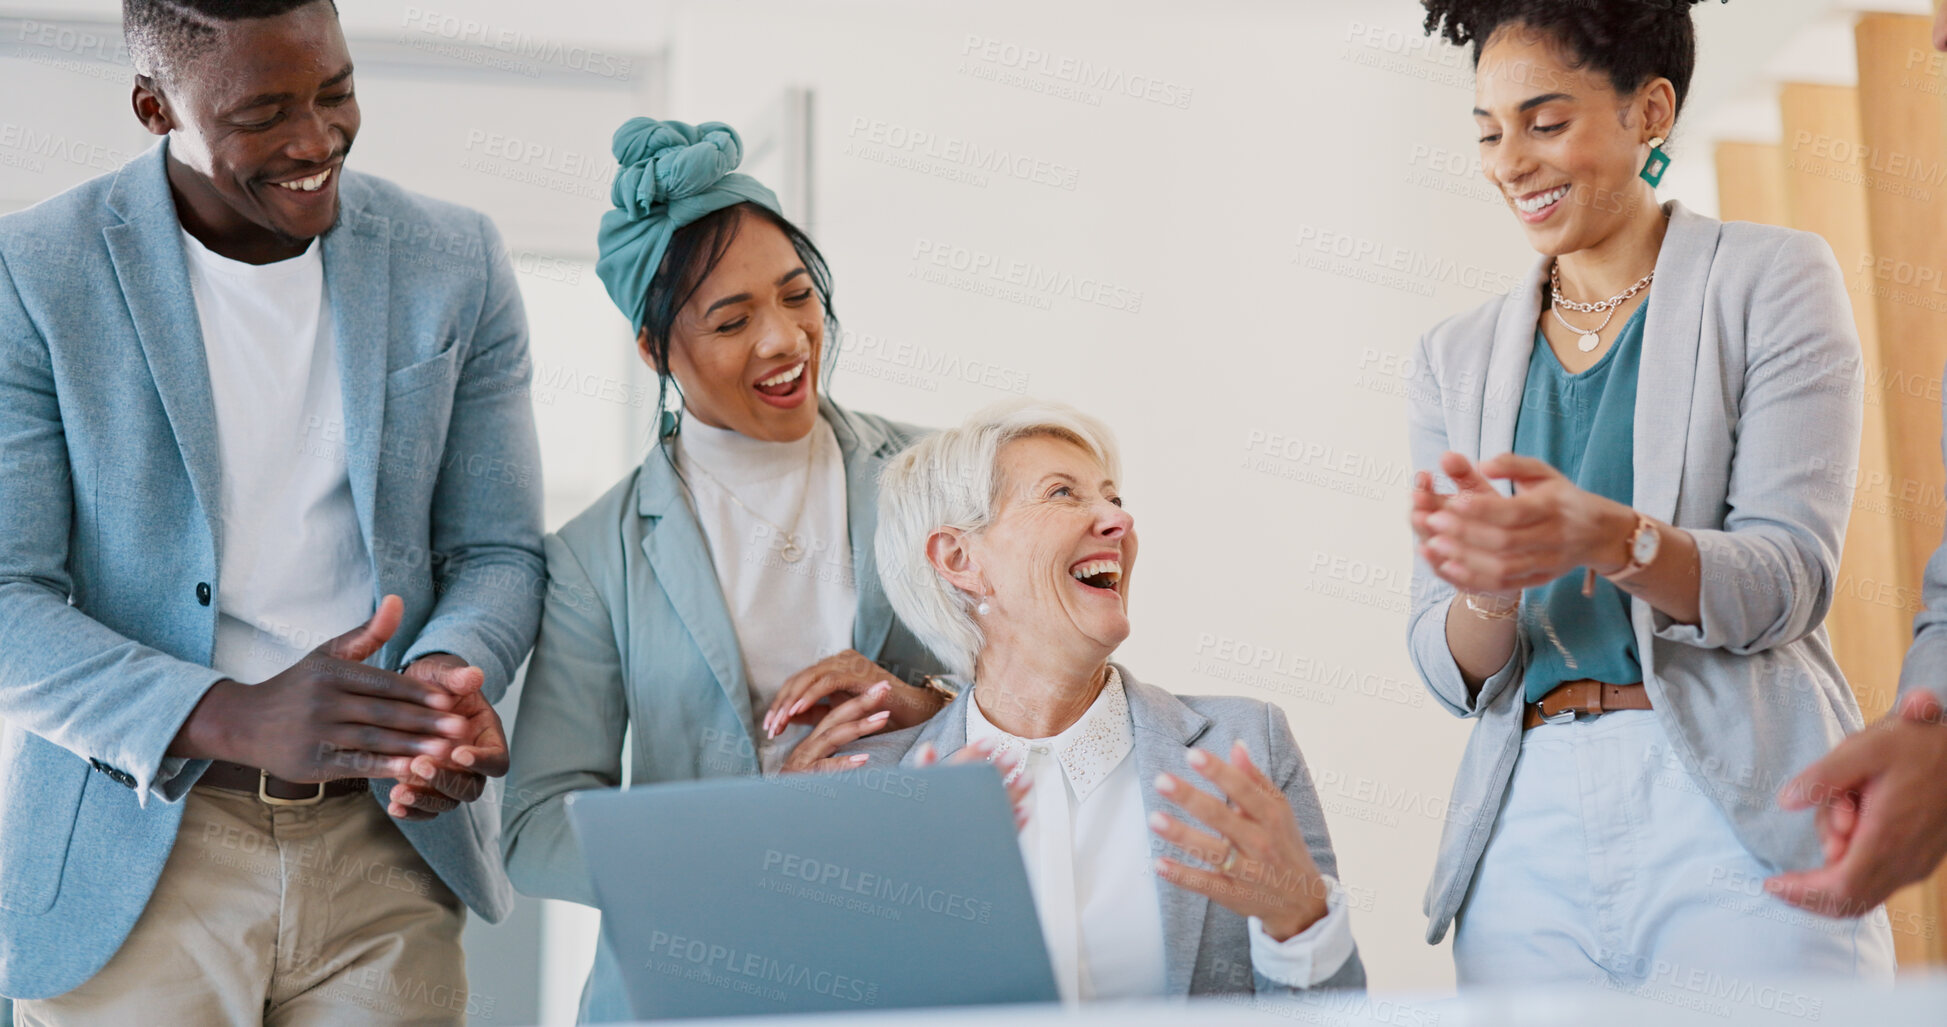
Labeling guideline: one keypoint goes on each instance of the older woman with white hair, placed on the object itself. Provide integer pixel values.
(1004, 545)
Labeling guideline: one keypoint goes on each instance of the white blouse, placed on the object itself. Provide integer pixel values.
(1087, 849)
(788, 615)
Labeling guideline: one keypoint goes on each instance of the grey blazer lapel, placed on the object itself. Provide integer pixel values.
(1165, 730)
(680, 556)
(358, 287)
(1507, 366)
(1672, 343)
(864, 451)
(147, 251)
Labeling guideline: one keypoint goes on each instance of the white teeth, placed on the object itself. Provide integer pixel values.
(1541, 202)
(782, 378)
(1092, 568)
(308, 185)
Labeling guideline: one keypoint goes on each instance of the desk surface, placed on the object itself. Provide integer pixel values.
(1720, 1002)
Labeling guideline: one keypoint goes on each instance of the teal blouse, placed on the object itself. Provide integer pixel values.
(1584, 426)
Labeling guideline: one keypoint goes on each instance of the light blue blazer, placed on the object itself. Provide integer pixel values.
(1748, 407)
(1207, 947)
(109, 483)
(636, 642)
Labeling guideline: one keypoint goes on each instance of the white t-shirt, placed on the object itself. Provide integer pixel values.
(295, 567)
(788, 615)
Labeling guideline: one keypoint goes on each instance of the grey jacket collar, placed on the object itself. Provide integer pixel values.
(1669, 362)
(146, 249)
(674, 543)
(1165, 730)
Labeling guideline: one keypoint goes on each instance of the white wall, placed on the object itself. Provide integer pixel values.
(1254, 377)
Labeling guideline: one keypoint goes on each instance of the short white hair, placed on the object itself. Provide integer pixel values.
(951, 479)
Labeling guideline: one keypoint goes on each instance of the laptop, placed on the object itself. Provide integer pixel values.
(880, 888)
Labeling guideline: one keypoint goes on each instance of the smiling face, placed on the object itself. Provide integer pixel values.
(745, 348)
(1055, 561)
(1561, 145)
(259, 125)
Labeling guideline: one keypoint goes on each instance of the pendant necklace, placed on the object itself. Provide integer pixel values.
(790, 543)
(1590, 338)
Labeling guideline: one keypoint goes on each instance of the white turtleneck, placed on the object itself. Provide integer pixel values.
(788, 616)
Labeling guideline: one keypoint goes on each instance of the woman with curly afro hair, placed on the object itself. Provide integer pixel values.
(1627, 539)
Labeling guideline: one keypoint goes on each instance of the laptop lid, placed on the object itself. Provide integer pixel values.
(880, 888)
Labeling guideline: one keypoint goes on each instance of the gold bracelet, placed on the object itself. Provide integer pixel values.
(1487, 613)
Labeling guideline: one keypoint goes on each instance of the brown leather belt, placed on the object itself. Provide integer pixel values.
(276, 791)
(1584, 698)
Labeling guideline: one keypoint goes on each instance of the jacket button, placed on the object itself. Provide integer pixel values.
(203, 592)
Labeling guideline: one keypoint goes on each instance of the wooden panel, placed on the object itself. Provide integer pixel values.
(1751, 183)
(1902, 166)
(1870, 626)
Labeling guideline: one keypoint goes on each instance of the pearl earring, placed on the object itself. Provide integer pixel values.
(982, 608)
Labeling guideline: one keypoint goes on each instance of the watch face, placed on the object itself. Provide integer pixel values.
(1642, 549)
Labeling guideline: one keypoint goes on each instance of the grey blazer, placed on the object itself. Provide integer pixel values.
(111, 545)
(1926, 660)
(637, 644)
(1207, 947)
(1748, 407)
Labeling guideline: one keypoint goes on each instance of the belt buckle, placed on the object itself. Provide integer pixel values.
(1567, 716)
(264, 796)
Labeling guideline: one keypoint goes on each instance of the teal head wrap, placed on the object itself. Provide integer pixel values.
(671, 175)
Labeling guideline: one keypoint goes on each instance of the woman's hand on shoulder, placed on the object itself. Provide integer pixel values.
(814, 692)
(842, 725)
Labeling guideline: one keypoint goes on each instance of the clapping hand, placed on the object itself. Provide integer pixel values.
(1483, 542)
(431, 787)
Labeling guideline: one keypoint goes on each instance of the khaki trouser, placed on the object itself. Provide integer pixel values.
(286, 916)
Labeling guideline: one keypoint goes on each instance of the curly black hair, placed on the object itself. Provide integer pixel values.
(1632, 41)
(164, 36)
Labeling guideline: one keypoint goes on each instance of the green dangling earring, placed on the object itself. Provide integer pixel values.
(1658, 163)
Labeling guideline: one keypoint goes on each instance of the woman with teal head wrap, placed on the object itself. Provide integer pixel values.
(722, 603)
(671, 175)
